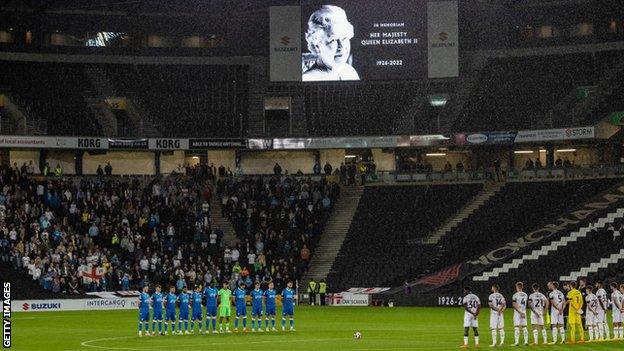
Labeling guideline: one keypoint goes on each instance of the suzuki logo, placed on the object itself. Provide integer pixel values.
(25, 306)
(285, 40)
(443, 36)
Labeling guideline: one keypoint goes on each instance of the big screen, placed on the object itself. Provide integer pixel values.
(351, 40)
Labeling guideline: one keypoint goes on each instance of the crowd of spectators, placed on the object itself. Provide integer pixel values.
(80, 234)
(278, 219)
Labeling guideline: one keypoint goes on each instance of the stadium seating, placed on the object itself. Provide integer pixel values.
(381, 245)
(188, 100)
(52, 92)
(520, 92)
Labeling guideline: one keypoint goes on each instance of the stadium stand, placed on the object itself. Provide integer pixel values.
(52, 92)
(523, 92)
(77, 234)
(377, 248)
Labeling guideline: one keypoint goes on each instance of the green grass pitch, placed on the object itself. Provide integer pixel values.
(318, 328)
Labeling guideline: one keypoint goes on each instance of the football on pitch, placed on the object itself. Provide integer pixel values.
(357, 335)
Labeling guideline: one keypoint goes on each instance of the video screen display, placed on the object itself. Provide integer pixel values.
(364, 40)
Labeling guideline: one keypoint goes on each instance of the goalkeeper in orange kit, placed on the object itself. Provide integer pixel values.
(575, 310)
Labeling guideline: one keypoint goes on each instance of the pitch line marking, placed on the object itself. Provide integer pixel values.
(88, 343)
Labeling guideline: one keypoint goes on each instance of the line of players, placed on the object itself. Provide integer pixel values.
(596, 306)
(218, 306)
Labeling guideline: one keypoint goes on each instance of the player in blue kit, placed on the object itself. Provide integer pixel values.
(288, 304)
(257, 296)
(144, 307)
(157, 306)
(196, 300)
(270, 295)
(184, 299)
(170, 311)
(241, 307)
(210, 293)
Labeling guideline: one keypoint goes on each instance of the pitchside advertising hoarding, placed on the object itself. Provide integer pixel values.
(121, 303)
(347, 40)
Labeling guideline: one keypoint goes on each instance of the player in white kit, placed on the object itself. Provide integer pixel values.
(519, 303)
(538, 303)
(602, 327)
(557, 304)
(472, 306)
(591, 313)
(497, 304)
(617, 298)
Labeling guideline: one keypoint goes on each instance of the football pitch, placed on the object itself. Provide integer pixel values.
(318, 328)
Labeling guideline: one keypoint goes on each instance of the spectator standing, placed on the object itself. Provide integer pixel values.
(312, 289)
(108, 169)
(322, 291)
(328, 169)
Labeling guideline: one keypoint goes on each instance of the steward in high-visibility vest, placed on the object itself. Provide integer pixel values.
(322, 291)
(312, 286)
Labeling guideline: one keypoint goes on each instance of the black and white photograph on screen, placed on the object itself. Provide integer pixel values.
(328, 38)
(348, 40)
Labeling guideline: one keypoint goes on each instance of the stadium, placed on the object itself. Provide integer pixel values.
(306, 175)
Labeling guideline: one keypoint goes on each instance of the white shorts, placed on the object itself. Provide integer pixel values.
(497, 320)
(601, 317)
(470, 320)
(617, 315)
(591, 318)
(537, 319)
(518, 320)
(556, 317)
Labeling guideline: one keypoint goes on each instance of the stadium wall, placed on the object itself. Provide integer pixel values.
(291, 161)
(122, 303)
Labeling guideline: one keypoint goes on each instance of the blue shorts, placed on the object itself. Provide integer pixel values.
(171, 315)
(211, 311)
(158, 314)
(197, 315)
(270, 311)
(241, 310)
(256, 311)
(144, 316)
(184, 314)
(288, 311)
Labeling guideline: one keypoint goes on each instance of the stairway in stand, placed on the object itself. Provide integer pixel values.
(333, 235)
(218, 221)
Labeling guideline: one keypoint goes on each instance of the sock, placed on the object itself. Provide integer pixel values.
(283, 323)
(581, 332)
(166, 326)
(214, 323)
(140, 327)
(221, 326)
(199, 325)
(292, 323)
(207, 323)
(502, 336)
(253, 323)
(192, 325)
(494, 333)
(535, 336)
(227, 326)
(185, 325)
(590, 330)
(516, 334)
(476, 340)
(525, 334)
(273, 322)
(554, 334)
(562, 332)
(606, 330)
(180, 325)
(172, 326)
(160, 326)
(153, 325)
(545, 336)
(244, 323)
(146, 327)
(573, 333)
(466, 340)
(236, 323)
(266, 323)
